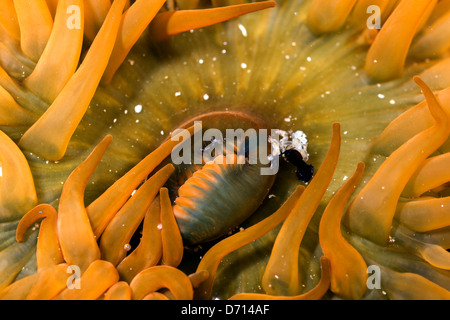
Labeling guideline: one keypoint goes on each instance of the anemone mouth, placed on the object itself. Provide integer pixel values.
(304, 64)
(228, 120)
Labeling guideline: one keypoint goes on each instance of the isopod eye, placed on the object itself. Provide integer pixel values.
(212, 198)
(304, 171)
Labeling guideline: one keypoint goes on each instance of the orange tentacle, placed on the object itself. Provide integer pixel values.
(348, 268)
(48, 252)
(315, 294)
(36, 25)
(149, 251)
(169, 23)
(17, 191)
(154, 278)
(172, 243)
(78, 242)
(106, 206)
(69, 107)
(373, 219)
(119, 231)
(119, 291)
(50, 282)
(134, 21)
(60, 58)
(94, 282)
(281, 274)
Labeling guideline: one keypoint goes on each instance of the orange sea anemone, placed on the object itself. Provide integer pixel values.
(92, 205)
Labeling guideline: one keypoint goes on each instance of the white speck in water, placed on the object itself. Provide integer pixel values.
(392, 101)
(138, 108)
(345, 178)
(243, 30)
(159, 226)
(308, 59)
(205, 96)
(243, 65)
(1, 172)
(177, 94)
(127, 247)
(381, 96)
(162, 132)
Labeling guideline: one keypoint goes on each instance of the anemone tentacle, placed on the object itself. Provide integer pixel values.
(347, 265)
(281, 274)
(67, 110)
(48, 251)
(386, 58)
(36, 25)
(124, 224)
(149, 251)
(17, 184)
(314, 294)
(55, 64)
(78, 244)
(378, 215)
